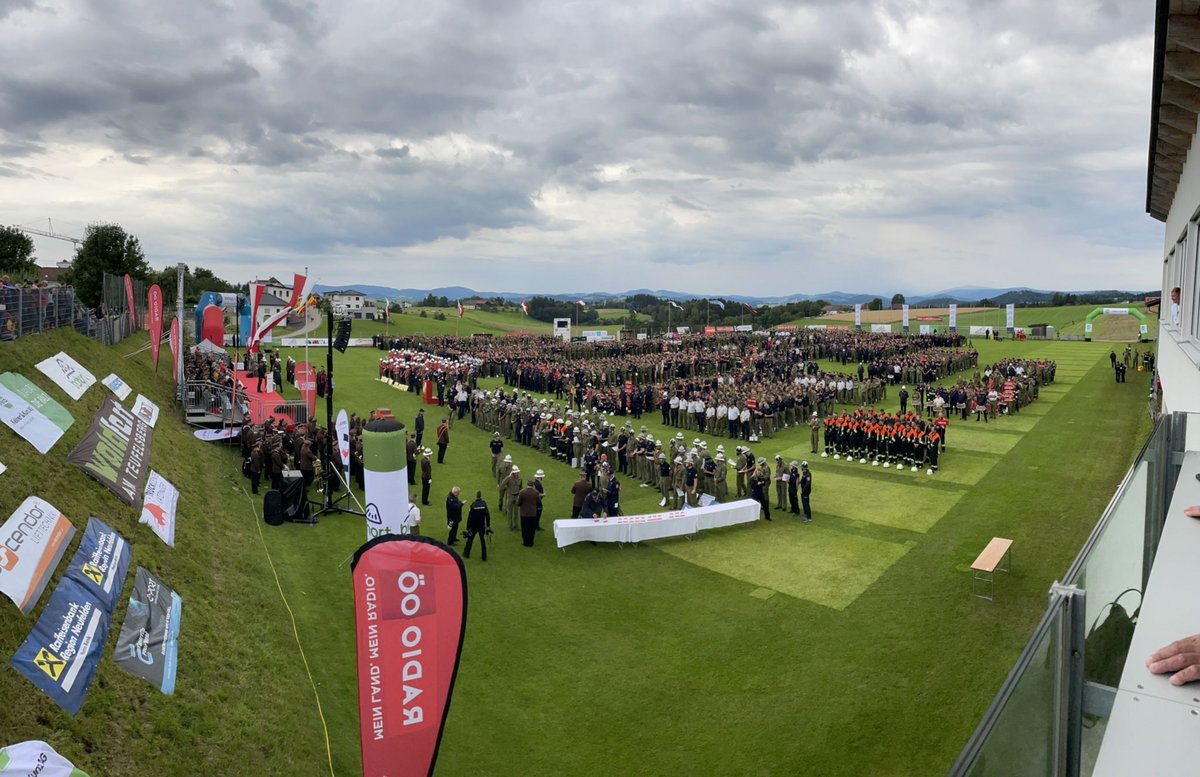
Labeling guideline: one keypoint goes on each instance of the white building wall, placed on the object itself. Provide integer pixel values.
(1178, 350)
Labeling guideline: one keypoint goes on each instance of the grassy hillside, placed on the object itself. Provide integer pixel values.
(243, 704)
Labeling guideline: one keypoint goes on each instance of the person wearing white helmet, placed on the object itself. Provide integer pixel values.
(745, 468)
(663, 468)
(793, 486)
(678, 482)
(805, 490)
(541, 488)
(814, 424)
(502, 473)
(508, 496)
(426, 475)
(720, 476)
(781, 479)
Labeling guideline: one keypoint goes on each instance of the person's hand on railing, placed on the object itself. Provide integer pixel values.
(1180, 659)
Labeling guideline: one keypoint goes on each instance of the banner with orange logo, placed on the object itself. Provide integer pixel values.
(32, 542)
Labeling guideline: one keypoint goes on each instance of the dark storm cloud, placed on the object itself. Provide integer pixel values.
(676, 132)
(12, 6)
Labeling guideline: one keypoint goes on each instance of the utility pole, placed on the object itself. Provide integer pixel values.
(179, 270)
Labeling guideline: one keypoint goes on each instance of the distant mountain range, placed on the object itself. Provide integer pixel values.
(961, 295)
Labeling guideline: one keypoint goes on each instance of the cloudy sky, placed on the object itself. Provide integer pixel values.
(710, 147)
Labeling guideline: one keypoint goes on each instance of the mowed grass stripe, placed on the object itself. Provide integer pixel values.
(805, 561)
(905, 503)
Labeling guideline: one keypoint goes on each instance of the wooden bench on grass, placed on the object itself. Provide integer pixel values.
(997, 556)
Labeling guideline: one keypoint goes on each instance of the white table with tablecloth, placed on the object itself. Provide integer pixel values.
(655, 526)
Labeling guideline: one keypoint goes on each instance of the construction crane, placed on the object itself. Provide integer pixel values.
(48, 232)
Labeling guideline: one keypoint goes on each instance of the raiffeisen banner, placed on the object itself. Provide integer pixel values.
(410, 607)
(61, 654)
(101, 562)
(32, 542)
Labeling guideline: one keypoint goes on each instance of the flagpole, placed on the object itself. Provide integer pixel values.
(294, 293)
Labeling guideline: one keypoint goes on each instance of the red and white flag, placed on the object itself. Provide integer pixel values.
(301, 290)
(129, 301)
(579, 302)
(525, 307)
(461, 310)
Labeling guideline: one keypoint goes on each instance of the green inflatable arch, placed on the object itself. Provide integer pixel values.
(1143, 327)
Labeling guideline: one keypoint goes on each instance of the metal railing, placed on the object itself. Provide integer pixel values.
(207, 402)
(1047, 717)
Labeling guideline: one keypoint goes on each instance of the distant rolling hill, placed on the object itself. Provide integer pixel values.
(962, 295)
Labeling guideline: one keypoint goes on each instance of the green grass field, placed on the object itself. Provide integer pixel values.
(850, 646)
(473, 322)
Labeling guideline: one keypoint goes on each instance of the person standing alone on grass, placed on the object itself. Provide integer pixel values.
(527, 501)
(454, 508)
(443, 439)
(426, 475)
(419, 426)
(495, 446)
(479, 524)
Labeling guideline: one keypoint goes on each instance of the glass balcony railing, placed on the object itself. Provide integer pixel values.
(1051, 713)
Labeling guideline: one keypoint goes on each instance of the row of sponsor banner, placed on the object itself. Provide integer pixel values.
(62, 652)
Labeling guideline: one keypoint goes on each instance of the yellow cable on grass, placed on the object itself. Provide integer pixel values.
(295, 631)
